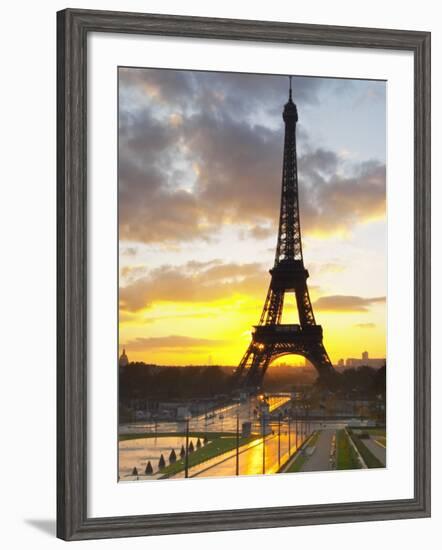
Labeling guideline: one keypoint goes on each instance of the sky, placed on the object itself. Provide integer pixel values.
(200, 164)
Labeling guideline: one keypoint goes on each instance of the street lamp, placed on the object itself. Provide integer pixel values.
(279, 439)
(290, 442)
(263, 446)
(263, 424)
(237, 441)
(305, 422)
(186, 456)
(302, 424)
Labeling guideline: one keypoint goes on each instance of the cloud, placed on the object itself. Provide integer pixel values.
(139, 318)
(338, 204)
(238, 93)
(316, 268)
(129, 251)
(365, 325)
(128, 317)
(132, 272)
(261, 231)
(221, 164)
(193, 282)
(150, 208)
(346, 304)
(170, 342)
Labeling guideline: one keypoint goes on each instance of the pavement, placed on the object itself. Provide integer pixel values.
(319, 461)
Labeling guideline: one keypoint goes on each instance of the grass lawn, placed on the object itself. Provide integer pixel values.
(213, 448)
(301, 457)
(370, 431)
(298, 463)
(347, 459)
(367, 455)
(313, 438)
(201, 435)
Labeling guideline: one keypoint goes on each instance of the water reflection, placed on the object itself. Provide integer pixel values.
(137, 452)
(167, 435)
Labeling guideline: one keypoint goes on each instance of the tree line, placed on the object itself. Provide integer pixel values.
(141, 381)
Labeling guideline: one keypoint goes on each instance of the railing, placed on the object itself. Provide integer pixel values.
(270, 329)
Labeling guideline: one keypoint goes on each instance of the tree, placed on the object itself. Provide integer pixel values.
(191, 448)
(172, 456)
(161, 462)
(198, 444)
(134, 472)
(182, 452)
(380, 381)
(142, 381)
(149, 470)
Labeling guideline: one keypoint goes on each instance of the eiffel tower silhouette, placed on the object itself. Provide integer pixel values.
(270, 338)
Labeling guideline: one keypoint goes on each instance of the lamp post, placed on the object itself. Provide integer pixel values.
(307, 421)
(262, 407)
(279, 439)
(237, 441)
(263, 446)
(303, 425)
(290, 441)
(186, 456)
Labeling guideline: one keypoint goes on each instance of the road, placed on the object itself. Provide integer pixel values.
(320, 459)
(222, 419)
(378, 450)
(136, 452)
(251, 456)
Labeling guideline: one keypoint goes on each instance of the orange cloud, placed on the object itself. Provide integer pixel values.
(345, 304)
(194, 282)
(170, 342)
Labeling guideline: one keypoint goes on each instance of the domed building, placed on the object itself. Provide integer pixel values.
(123, 361)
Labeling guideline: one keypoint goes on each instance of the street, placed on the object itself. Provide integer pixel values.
(251, 456)
(320, 459)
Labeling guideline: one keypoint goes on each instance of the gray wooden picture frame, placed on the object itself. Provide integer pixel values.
(73, 27)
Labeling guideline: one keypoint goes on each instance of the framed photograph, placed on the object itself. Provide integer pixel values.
(243, 274)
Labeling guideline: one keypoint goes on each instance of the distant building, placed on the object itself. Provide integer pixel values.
(365, 361)
(123, 361)
(341, 363)
(183, 413)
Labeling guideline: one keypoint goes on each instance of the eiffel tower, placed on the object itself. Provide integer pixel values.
(270, 338)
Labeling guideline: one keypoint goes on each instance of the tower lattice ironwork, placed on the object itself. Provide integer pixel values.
(270, 338)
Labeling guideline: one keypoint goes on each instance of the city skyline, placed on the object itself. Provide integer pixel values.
(292, 361)
(199, 186)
